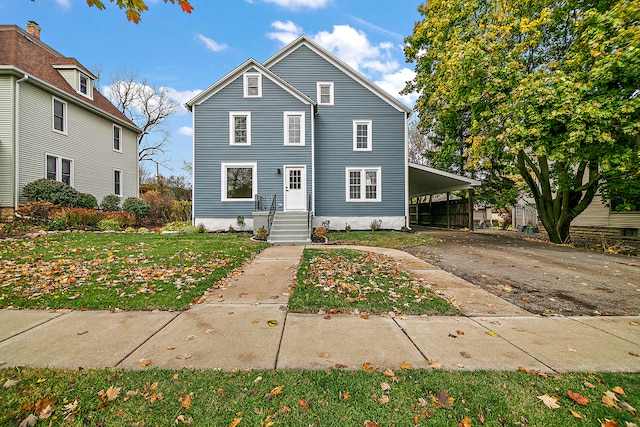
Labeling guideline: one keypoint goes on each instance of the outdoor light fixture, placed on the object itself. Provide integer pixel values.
(278, 171)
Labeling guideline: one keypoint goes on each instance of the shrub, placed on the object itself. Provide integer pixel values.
(320, 232)
(108, 224)
(176, 226)
(87, 201)
(51, 191)
(81, 218)
(159, 205)
(376, 224)
(56, 225)
(124, 219)
(180, 210)
(261, 233)
(347, 228)
(37, 212)
(135, 206)
(201, 228)
(110, 203)
(143, 230)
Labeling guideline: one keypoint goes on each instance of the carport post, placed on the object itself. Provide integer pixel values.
(471, 193)
(448, 212)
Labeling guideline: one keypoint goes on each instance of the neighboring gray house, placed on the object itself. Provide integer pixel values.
(307, 128)
(55, 124)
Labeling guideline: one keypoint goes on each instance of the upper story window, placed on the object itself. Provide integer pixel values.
(325, 93)
(294, 128)
(363, 185)
(59, 169)
(253, 85)
(117, 138)
(239, 128)
(117, 182)
(84, 84)
(362, 135)
(59, 116)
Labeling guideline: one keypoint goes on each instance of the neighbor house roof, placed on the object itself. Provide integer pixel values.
(248, 65)
(424, 180)
(22, 53)
(342, 66)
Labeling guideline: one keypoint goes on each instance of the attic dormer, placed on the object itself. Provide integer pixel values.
(79, 79)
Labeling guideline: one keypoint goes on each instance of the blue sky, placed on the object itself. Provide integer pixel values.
(186, 53)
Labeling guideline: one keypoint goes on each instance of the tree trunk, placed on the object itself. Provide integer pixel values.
(559, 205)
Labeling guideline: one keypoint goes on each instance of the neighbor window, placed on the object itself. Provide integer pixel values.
(253, 85)
(362, 135)
(117, 135)
(325, 93)
(59, 116)
(363, 185)
(117, 182)
(239, 181)
(59, 169)
(240, 128)
(294, 128)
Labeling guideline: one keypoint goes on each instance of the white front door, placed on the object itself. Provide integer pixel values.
(295, 188)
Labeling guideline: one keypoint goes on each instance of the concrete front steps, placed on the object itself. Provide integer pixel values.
(290, 228)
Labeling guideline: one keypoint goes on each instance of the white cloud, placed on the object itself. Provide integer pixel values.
(66, 4)
(286, 32)
(185, 130)
(212, 44)
(376, 27)
(395, 82)
(180, 96)
(299, 4)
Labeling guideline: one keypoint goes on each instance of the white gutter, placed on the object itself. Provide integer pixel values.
(16, 145)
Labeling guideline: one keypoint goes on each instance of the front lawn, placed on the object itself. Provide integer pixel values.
(129, 271)
(104, 397)
(382, 239)
(345, 281)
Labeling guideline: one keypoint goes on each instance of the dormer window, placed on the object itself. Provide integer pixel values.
(84, 85)
(253, 85)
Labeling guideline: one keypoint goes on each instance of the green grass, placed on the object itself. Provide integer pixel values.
(382, 239)
(129, 271)
(308, 398)
(343, 280)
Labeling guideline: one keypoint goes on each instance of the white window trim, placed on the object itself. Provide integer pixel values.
(363, 185)
(288, 114)
(89, 93)
(331, 91)
(369, 124)
(113, 141)
(121, 182)
(65, 112)
(246, 85)
(232, 139)
(59, 167)
(223, 181)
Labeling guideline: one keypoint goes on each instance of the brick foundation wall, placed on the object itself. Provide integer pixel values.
(599, 235)
(6, 214)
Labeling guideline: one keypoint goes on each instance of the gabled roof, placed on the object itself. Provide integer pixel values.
(24, 54)
(251, 63)
(334, 60)
(424, 180)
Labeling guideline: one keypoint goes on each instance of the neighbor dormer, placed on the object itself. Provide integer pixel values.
(80, 79)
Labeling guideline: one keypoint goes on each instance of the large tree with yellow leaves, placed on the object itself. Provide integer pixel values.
(548, 88)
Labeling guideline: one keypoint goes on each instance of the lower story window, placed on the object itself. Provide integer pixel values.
(363, 185)
(239, 181)
(117, 182)
(60, 169)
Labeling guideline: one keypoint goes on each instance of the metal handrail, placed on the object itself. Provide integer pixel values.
(272, 213)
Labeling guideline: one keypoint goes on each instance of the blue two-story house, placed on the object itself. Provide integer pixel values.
(304, 135)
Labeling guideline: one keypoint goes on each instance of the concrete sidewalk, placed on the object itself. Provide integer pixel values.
(245, 325)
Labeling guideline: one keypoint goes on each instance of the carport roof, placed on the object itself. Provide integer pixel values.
(424, 180)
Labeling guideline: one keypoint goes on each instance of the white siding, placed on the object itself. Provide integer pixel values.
(6, 141)
(88, 142)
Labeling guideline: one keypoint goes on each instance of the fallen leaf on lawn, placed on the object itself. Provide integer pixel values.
(371, 424)
(619, 391)
(465, 355)
(383, 400)
(549, 401)
(304, 404)
(587, 384)
(154, 386)
(609, 423)
(576, 397)
(435, 364)
(145, 362)
(385, 386)
(443, 399)
(272, 323)
(459, 332)
(406, 366)
(44, 407)
(276, 391)
(629, 408)
(41, 380)
(364, 316)
(389, 373)
(186, 402)
(492, 334)
(631, 424)
(323, 355)
(466, 422)
(10, 383)
(575, 414)
(344, 396)
(609, 399)
(111, 393)
(481, 418)
(30, 421)
(181, 419)
(73, 405)
(367, 367)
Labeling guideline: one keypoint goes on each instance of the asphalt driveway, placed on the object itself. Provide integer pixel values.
(539, 277)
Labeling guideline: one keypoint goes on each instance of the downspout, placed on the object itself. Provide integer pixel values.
(16, 145)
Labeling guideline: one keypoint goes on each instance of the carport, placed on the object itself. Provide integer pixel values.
(427, 181)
